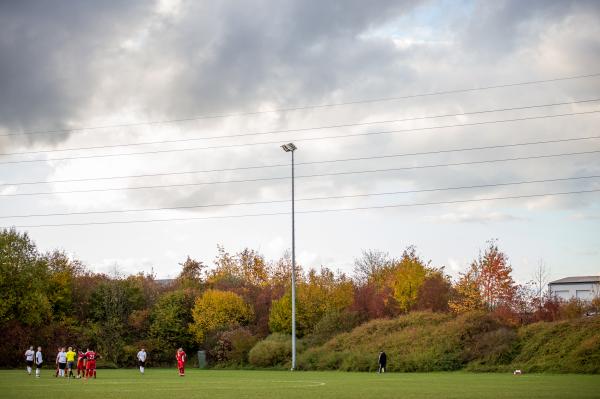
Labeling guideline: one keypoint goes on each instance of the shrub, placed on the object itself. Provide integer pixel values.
(492, 349)
(276, 349)
(570, 346)
(572, 309)
(233, 346)
(332, 323)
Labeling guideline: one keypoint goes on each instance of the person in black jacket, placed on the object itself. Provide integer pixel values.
(382, 362)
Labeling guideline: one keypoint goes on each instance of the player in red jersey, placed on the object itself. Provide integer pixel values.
(80, 364)
(181, 358)
(90, 363)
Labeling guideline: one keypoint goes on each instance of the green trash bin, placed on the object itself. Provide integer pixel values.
(202, 359)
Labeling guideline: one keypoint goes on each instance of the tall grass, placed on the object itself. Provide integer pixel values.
(440, 342)
(571, 346)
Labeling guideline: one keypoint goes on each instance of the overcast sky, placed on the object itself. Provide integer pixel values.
(81, 74)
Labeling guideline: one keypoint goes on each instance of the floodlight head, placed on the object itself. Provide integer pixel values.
(289, 147)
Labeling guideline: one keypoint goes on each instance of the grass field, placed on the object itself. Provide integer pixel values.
(215, 384)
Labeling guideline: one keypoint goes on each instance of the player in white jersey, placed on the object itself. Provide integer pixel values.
(141, 356)
(38, 361)
(61, 360)
(29, 355)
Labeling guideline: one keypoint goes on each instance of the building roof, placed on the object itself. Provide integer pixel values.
(577, 279)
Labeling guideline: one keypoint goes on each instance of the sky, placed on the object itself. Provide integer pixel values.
(113, 98)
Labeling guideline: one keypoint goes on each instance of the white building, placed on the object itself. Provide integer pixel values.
(585, 288)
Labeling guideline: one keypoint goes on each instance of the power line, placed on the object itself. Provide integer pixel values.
(305, 139)
(298, 177)
(311, 211)
(304, 107)
(307, 163)
(299, 129)
(302, 199)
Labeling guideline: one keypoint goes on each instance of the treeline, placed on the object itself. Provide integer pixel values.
(239, 309)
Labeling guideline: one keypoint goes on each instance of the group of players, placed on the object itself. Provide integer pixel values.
(65, 362)
(86, 362)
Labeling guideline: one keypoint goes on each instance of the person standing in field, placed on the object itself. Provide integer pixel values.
(29, 355)
(90, 363)
(80, 364)
(70, 361)
(181, 358)
(61, 361)
(141, 356)
(382, 362)
(38, 361)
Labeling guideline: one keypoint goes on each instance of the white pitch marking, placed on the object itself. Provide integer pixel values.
(305, 384)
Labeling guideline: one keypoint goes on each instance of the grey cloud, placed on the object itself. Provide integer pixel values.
(499, 28)
(221, 57)
(48, 53)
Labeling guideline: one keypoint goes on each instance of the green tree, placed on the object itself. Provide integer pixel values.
(23, 280)
(62, 274)
(111, 305)
(170, 318)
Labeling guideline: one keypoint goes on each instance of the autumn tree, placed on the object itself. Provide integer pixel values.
(373, 295)
(487, 283)
(191, 274)
(373, 302)
(216, 311)
(435, 292)
(373, 266)
(494, 278)
(407, 278)
(247, 274)
(316, 295)
(246, 268)
(468, 297)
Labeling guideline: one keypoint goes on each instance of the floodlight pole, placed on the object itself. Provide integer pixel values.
(291, 148)
(293, 272)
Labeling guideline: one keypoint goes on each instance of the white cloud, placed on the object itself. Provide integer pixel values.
(490, 217)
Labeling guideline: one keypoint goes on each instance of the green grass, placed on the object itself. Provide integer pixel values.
(166, 384)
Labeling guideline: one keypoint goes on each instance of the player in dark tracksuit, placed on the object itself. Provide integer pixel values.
(382, 362)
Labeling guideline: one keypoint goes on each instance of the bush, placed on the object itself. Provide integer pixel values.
(331, 324)
(570, 346)
(233, 346)
(492, 349)
(572, 309)
(276, 349)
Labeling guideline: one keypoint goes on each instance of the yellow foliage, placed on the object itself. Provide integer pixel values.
(468, 295)
(316, 295)
(246, 267)
(216, 310)
(407, 277)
